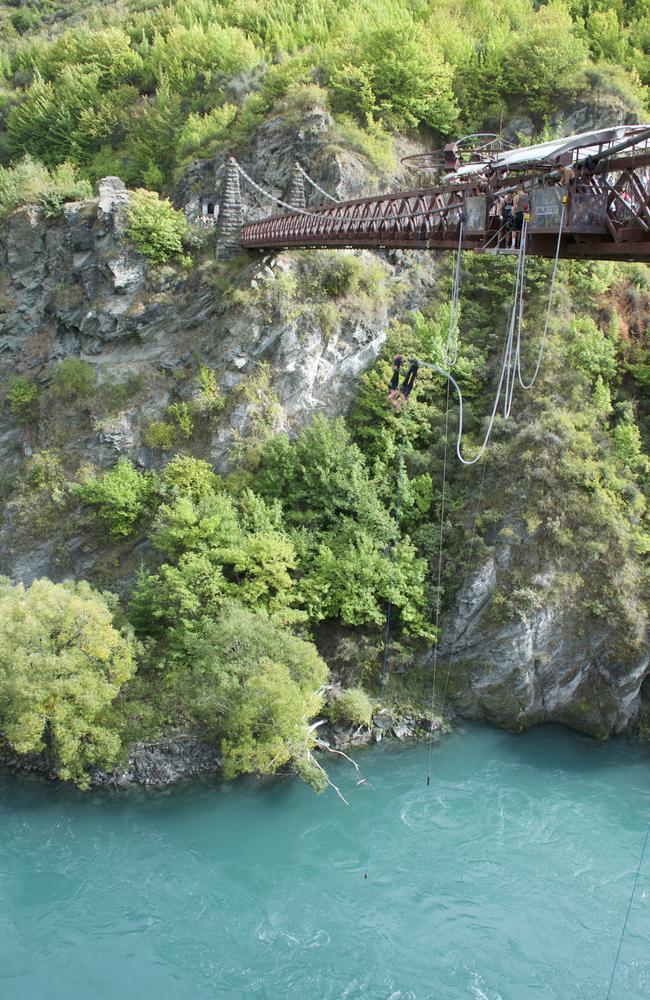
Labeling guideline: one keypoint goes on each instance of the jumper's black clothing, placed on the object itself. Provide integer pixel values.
(394, 382)
(409, 379)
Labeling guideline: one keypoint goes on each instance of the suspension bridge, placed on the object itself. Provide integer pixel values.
(597, 182)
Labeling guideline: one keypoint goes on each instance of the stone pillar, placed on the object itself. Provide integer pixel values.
(295, 195)
(231, 220)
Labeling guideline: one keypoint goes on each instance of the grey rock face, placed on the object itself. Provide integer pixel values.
(156, 765)
(546, 666)
(162, 763)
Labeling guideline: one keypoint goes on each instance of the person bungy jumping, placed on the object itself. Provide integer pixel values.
(393, 385)
(398, 396)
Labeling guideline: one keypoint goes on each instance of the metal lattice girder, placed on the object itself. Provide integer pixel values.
(609, 213)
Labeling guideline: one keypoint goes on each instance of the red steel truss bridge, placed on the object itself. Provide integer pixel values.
(592, 190)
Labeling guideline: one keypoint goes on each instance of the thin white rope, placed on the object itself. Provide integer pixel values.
(439, 583)
(515, 320)
(529, 385)
(313, 183)
(506, 358)
(454, 312)
(464, 587)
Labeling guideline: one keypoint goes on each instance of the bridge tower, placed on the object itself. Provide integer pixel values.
(295, 195)
(231, 219)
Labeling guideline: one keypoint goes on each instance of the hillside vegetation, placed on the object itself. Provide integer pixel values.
(138, 88)
(239, 573)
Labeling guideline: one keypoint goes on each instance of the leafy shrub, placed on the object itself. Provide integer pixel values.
(352, 705)
(120, 496)
(181, 419)
(159, 435)
(395, 74)
(73, 380)
(62, 665)
(209, 400)
(154, 226)
(29, 182)
(342, 277)
(22, 398)
(591, 351)
(164, 434)
(188, 476)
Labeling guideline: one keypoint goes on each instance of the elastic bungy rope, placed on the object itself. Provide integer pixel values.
(629, 907)
(515, 320)
(529, 385)
(507, 353)
(439, 582)
(316, 187)
(464, 587)
(398, 501)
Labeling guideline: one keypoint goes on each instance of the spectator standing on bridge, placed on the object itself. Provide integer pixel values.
(520, 206)
(567, 175)
(505, 213)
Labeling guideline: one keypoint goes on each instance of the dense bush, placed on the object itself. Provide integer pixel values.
(352, 705)
(154, 226)
(22, 397)
(73, 380)
(29, 182)
(256, 686)
(63, 663)
(120, 496)
(138, 93)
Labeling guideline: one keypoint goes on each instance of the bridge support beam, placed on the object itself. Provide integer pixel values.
(295, 195)
(231, 219)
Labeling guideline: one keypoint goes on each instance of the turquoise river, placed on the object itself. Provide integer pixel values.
(507, 879)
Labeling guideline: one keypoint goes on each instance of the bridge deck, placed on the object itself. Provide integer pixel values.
(605, 215)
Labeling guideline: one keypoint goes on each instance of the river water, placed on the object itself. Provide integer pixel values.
(509, 877)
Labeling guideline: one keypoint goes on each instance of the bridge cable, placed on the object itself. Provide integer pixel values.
(343, 218)
(316, 187)
(270, 197)
(629, 907)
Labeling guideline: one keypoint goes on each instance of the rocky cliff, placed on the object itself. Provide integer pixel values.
(73, 286)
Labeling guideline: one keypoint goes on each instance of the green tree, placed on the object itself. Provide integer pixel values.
(254, 685)
(73, 380)
(63, 663)
(22, 397)
(394, 74)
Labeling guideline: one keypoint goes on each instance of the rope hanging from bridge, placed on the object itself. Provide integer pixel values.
(451, 350)
(511, 359)
(529, 385)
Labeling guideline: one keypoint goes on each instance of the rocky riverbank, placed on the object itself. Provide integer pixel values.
(172, 759)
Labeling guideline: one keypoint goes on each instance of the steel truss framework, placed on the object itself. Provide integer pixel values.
(607, 212)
